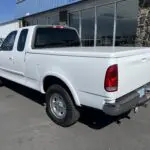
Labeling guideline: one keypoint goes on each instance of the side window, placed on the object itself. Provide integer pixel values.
(9, 41)
(22, 40)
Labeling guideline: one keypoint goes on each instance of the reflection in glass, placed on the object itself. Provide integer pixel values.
(105, 24)
(127, 12)
(74, 20)
(88, 26)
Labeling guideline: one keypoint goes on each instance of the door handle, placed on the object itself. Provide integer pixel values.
(144, 59)
(11, 58)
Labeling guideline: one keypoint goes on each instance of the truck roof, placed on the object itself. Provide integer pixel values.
(50, 26)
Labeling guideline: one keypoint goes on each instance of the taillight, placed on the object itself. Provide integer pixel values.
(57, 26)
(111, 79)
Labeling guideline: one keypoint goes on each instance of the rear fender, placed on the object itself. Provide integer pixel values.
(67, 83)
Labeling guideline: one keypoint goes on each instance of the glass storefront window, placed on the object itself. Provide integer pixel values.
(126, 24)
(105, 25)
(74, 20)
(127, 12)
(88, 26)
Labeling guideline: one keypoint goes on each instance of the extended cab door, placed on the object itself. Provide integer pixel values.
(19, 56)
(6, 55)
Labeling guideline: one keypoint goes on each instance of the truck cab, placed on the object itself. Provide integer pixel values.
(17, 44)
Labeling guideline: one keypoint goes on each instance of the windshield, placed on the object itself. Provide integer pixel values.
(56, 37)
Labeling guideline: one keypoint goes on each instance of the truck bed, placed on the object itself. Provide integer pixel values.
(133, 66)
(102, 52)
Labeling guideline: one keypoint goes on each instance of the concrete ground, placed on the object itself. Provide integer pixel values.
(24, 125)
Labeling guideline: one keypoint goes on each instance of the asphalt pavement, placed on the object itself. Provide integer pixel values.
(24, 125)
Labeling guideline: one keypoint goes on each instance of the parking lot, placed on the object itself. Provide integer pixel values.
(24, 125)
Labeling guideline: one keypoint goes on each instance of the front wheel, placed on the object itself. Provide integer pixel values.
(60, 107)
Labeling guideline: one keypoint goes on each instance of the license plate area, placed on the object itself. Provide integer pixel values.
(141, 92)
(144, 91)
(147, 94)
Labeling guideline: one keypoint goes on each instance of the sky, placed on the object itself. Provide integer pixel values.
(7, 10)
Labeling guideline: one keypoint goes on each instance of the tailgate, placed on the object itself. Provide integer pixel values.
(134, 72)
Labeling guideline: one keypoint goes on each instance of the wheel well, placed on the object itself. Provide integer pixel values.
(51, 80)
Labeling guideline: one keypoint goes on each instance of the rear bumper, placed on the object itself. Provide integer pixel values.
(124, 104)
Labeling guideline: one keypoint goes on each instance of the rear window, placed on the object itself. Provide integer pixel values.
(56, 37)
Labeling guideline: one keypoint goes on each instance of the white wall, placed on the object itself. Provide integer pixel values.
(6, 28)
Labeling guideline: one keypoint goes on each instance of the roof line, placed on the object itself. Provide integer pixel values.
(7, 22)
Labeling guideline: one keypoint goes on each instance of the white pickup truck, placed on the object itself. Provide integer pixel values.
(49, 59)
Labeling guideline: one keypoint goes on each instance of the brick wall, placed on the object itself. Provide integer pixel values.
(143, 29)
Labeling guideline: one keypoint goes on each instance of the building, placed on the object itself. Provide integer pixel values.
(99, 22)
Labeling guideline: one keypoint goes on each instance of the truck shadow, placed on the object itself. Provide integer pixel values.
(90, 117)
(96, 119)
(26, 92)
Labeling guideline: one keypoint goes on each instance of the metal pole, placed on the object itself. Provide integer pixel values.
(115, 25)
(68, 19)
(95, 28)
(80, 26)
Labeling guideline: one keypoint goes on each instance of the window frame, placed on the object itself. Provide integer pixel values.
(15, 31)
(25, 40)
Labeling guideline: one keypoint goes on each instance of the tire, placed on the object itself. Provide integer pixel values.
(1, 82)
(69, 114)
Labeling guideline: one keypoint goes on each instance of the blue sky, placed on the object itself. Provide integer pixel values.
(7, 10)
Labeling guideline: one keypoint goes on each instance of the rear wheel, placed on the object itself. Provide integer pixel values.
(60, 107)
(1, 82)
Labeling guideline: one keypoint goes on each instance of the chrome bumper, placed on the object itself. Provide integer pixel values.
(125, 103)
